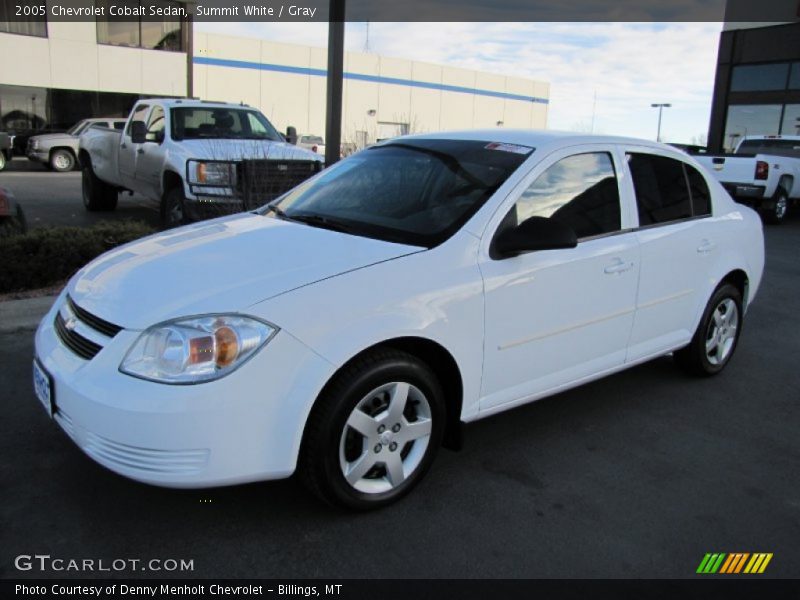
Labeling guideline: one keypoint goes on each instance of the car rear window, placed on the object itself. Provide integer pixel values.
(662, 194)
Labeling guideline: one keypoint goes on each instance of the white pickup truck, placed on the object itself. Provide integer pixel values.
(763, 171)
(197, 159)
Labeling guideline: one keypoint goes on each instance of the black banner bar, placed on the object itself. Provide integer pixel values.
(409, 10)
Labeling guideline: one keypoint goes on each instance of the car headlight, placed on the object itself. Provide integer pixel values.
(196, 349)
(212, 173)
(34, 144)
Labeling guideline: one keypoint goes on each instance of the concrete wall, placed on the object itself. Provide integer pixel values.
(287, 82)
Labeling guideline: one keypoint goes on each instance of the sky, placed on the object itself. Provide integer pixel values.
(603, 76)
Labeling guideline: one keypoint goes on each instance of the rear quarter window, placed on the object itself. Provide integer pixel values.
(662, 193)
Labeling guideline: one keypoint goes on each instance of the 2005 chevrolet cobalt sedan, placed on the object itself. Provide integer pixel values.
(349, 328)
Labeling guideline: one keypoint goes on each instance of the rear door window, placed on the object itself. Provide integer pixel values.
(662, 193)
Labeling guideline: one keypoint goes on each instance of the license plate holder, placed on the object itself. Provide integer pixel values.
(43, 387)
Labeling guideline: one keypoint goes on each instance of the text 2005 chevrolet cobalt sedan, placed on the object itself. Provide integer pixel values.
(347, 329)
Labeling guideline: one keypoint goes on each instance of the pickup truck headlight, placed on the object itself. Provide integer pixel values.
(34, 144)
(221, 174)
(197, 349)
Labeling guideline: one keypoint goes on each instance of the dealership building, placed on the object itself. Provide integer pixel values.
(757, 85)
(55, 73)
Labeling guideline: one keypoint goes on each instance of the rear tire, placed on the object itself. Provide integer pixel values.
(780, 207)
(373, 432)
(62, 161)
(97, 194)
(717, 335)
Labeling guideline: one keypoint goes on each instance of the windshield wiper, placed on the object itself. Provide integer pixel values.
(312, 220)
(321, 222)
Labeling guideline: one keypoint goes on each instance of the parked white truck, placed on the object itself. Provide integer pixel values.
(197, 159)
(763, 171)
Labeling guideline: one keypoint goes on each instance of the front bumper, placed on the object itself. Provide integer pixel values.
(244, 427)
(38, 156)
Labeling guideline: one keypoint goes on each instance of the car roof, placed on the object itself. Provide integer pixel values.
(536, 138)
(192, 103)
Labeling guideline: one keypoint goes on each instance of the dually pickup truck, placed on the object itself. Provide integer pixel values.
(197, 159)
(763, 171)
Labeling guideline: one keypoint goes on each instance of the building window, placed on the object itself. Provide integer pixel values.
(165, 33)
(759, 78)
(35, 25)
(751, 119)
(791, 120)
(794, 78)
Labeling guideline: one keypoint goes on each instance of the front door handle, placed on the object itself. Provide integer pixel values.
(140, 151)
(619, 266)
(706, 246)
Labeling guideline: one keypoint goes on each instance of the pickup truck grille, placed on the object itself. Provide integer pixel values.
(261, 181)
(75, 326)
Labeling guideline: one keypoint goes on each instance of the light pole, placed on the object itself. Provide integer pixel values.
(660, 107)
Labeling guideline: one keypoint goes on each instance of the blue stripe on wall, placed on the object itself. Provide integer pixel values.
(242, 64)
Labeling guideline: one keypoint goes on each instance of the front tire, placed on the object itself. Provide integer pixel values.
(373, 432)
(173, 208)
(2, 160)
(780, 207)
(97, 194)
(62, 161)
(717, 335)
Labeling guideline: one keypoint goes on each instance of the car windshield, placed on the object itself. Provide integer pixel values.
(417, 191)
(777, 147)
(214, 122)
(78, 128)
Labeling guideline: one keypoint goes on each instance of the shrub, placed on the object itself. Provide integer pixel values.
(47, 256)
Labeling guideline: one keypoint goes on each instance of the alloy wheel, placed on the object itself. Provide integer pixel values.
(385, 438)
(722, 332)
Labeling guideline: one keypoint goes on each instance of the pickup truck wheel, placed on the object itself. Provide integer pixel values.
(373, 432)
(777, 214)
(716, 337)
(97, 194)
(62, 161)
(2, 160)
(172, 208)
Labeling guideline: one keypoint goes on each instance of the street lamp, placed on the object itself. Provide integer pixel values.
(660, 107)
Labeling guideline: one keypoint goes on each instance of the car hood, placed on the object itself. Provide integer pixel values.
(223, 149)
(225, 265)
(54, 137)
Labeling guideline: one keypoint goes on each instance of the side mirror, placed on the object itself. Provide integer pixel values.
(138, 132)
(291, 135)
(535, 233)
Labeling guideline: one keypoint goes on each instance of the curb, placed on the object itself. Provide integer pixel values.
(23, 315)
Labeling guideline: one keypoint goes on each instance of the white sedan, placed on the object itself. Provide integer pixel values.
(347, 330)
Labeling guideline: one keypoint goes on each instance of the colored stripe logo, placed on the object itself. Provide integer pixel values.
(734, 563)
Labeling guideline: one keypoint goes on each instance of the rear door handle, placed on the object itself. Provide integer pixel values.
(706, 246)
(619, 266)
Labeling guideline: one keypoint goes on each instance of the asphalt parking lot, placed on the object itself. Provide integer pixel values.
(54, 199)
(636, 475)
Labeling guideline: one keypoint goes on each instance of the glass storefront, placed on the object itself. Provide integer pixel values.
(26, 111)
(752, 78)
(751, 119)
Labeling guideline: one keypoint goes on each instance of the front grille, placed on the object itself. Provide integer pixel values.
(104, 327)
(261, 181)
(77, 343)
(75, 326)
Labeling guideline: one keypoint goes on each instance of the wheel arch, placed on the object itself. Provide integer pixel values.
(169, 180)
(441, 362)
(786, 182)
(84, 158)
(739, 279)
